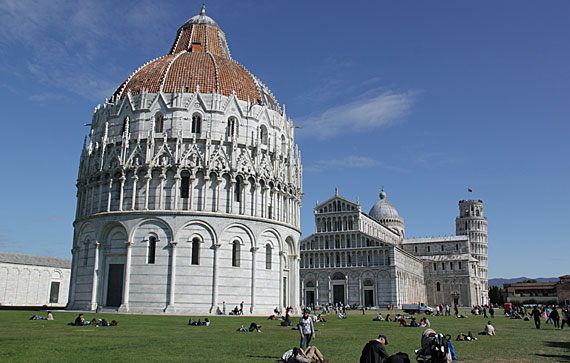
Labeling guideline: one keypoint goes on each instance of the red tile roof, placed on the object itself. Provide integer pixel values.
(198, 57)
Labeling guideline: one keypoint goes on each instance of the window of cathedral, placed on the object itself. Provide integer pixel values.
(196, 123)
(185, 185)
(237, 190)
(416, 249)
(268, 257)
(459, 264)
(235, 253)
(441, 248)
(158, 122)
(195, 251)
(438, 286)
(457, 247)
(263, 134)
(451, 265)
(151, 253)
(435, 266)
(283, 145)
(232, 121)
(428, 248)
(443, 266)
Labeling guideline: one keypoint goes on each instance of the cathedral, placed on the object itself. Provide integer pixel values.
(366, 260)
(189, 189)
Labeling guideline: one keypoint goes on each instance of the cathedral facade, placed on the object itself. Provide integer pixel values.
(364, 259)
(189, 189)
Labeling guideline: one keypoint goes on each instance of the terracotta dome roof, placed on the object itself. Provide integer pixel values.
(199, 59)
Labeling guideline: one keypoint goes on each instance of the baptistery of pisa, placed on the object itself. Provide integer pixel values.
(189, 189)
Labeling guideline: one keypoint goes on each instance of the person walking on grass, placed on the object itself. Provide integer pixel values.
(306, 329)
(555, 317)
(536, 315)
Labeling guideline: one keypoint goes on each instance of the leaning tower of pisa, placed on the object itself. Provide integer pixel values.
(472, 223)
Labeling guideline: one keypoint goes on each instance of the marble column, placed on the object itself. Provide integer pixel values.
(134, 193)
(122, 179)
(216, 248)
(148, 177)
(172, 283)
(110, 195)
(127, 278)
(95, 277)
(73, 278)
(177, 191)
(253, 278)
(161, 195)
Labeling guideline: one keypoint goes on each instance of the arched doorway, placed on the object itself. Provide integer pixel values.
(309, 293)
(338, 288)
(368, 287)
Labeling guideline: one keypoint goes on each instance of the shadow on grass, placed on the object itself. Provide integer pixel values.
(560, 345)
(266, 356)
(564, 345)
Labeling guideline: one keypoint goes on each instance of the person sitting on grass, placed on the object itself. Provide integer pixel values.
(414, 323)
(379, 317)
(297, 355)
(320, 319)
(388, 318)
(489, 329)
(80, 320)
(340, 316)
(49, 315)
(374, 351)
(403, 322)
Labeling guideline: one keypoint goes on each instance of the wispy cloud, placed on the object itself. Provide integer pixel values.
(47, 219)
(367, 113)
(350, 162)
(72, 45)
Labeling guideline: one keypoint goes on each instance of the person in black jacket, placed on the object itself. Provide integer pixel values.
(374, 351)
(536, 315)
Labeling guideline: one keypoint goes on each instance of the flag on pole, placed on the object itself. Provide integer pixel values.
(469, 190)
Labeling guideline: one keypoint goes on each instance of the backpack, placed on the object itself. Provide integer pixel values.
(439, 348)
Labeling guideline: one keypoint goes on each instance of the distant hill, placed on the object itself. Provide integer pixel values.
(500, 281)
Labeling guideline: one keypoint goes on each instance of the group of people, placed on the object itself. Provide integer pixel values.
(193, 322)
(235, 311)
(551, 315)
(80, 321)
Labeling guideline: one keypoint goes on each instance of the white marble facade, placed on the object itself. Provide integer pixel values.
(190, 198)
(365, 260)
(28, 280)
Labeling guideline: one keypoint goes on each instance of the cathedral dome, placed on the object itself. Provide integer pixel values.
(383, 209)
(199, 61)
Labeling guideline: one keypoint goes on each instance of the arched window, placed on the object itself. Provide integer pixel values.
(232, 121)
(196, 123)
(268, 257)
(196, 251)
(185, 186)
(438, 286)
(235, 253)
(283, 144)
(237, 190)
(263, 134)
(158, 122)
(151, 255)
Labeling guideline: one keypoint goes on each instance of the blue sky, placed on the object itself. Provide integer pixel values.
(424, 98)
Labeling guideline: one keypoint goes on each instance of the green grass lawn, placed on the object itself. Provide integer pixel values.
(169, 338)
